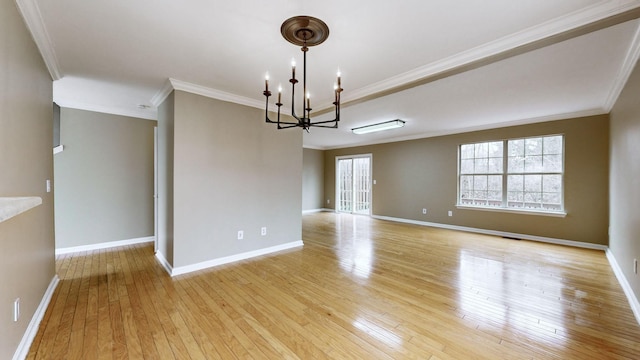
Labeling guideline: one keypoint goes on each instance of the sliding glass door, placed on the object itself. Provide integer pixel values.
(353, 184)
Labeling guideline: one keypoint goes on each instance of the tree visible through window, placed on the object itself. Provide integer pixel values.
(527, 176)
(481, 173)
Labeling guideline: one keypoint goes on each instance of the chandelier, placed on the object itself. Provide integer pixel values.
(303, 31)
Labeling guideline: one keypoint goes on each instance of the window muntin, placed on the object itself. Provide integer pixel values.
(527, 176)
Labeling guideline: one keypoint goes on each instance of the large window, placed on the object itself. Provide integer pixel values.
(518, 174)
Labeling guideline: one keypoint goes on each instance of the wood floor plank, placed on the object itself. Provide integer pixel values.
(147, 319)
(90, 341)
(119, 344)
(359, 288)
(126, 341)
(288, 319)
(236, 306)
(105, 337)
(162, 309)
(77, 338)
(227, 338)
(229, 319)
(63, 332)
(194, 313)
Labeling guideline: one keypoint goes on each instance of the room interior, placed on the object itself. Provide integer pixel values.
(155, 103)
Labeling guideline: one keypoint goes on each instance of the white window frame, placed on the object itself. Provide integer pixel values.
(505, 173)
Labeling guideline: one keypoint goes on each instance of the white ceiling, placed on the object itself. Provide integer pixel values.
(442, 66)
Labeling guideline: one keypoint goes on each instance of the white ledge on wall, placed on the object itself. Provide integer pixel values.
(12, 206)
(58, 149)
(515, 210)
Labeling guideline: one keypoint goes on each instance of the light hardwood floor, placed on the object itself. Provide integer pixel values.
(359, 289)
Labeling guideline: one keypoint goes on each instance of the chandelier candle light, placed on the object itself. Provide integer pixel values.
(303, 31)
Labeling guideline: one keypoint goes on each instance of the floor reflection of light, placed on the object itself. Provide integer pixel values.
(360, 262)
(355, 248)
(486, 290)
(380, 333)
(475, 270)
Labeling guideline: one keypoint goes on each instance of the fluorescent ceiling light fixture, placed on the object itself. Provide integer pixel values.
(387, 125)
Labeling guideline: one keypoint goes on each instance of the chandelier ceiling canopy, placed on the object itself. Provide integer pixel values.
(304, 30)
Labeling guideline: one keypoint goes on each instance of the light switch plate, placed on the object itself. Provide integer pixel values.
(16, 310)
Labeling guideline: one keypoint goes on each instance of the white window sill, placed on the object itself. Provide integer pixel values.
(514, 211)
(12, 206)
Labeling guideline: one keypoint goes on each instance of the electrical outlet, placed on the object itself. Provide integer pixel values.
(263, 231)
(16, 309)
(635, 266)
(48, 185)
(240, 234)
(424, 211)
(450, 213)
(328, 201)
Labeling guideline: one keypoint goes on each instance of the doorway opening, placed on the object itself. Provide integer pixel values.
(353, 184)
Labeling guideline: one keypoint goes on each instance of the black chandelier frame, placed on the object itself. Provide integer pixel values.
(304, 31)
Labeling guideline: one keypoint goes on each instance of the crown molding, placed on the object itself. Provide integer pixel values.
(33, 18)
(216, 94)
(312, 147)
(555, 117)
(503, 46)
(162, 94)
(149, 114)
(175, 84)
(633, 54)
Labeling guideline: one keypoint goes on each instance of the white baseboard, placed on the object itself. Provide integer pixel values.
(497, 233)
(165, 264)
(230, 259)
(312, 211)
(104, 245)
(631, 297)
(32, 329)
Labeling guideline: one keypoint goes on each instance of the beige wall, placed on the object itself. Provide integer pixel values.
(417, 174)
(231, 172)
(27, 262)
(312, 179)
(104, 178)
(624, 216)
